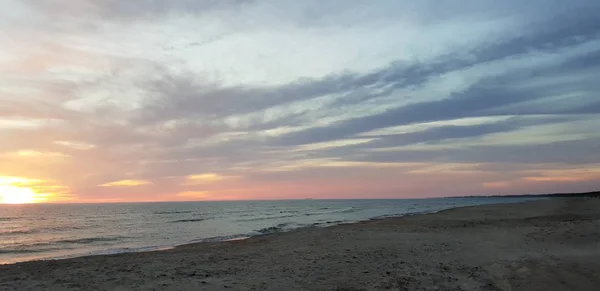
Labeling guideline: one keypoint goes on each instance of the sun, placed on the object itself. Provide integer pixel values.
(16, 195)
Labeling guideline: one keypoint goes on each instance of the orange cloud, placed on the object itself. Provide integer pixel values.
(556, 179)
(126, 183)
(38, 154)
(17, 181)
(329, 163)
(205, 178)
(446, 168)
(496, 184)
(565, 175)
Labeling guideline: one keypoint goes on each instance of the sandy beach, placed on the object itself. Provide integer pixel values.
(551, 244)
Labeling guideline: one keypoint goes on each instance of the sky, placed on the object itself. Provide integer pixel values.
(151, 100)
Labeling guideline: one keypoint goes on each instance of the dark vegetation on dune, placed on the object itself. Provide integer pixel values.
(594, 194)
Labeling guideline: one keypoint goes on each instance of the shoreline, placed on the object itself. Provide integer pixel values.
(257, 233)
(336, 224)
(550, 244)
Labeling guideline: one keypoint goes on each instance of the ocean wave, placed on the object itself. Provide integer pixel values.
(222, 238)
(20, 251)
(187, 220)
(7, 218)
(128, 250)
(268, 230)
(28, 249)
(20, 231)
(89, 240)
(274, 229)
(405, 214)
(247, 213)
(266, 218)
(329, 211)
(289, 211)
(171, 212)
(63, 228)
(333, 211)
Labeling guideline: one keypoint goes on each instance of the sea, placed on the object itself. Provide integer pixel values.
(55, 231)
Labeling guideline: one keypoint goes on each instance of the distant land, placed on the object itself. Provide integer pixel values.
(595, 194)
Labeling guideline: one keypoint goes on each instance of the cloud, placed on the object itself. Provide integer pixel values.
(75, 145)
(126, 183)
(33, 109)
(206, 178)
(569, 176)
(493, 185)
(135, 8)
(38, 155)
(18, 181)
(554, 179)
(439, 134)
(492, 96)
(567, 152)
(183, 93)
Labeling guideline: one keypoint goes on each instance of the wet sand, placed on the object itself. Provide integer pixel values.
(552, 244)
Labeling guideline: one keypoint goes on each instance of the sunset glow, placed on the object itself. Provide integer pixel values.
(16, 195)
(117, 101)
(18, 190)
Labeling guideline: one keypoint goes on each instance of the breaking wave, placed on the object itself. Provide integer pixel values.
(171, 212)
(89, 240)
(13, 232)
(187, 220)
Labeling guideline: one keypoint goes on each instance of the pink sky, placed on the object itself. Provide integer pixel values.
(111, 101)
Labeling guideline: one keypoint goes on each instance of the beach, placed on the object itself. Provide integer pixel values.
(551, 244)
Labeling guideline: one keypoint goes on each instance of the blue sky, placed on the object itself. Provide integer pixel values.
(149, 100)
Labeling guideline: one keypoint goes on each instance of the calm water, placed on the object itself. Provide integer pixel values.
(29, 232)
